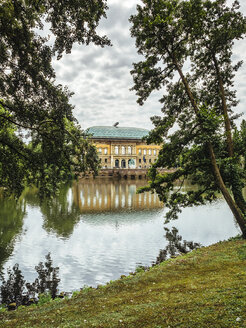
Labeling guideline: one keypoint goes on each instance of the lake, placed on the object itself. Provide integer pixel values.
(98, 229)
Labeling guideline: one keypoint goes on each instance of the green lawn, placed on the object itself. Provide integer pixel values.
(205, 288)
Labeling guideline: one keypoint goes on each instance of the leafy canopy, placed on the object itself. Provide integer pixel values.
(32, 105)
(197, 126)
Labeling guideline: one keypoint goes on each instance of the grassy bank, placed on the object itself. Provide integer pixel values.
(205, 288)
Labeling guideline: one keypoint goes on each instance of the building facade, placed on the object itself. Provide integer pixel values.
(122, 147)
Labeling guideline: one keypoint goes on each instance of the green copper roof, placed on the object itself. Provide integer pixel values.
(111, 132)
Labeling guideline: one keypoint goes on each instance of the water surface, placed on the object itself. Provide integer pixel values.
(97, 230)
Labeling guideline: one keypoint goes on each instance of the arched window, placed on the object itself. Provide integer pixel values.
(129, 150)
(116, 150)
(150, 152)
(100, 150)
(154, 152)
(145, 151)
(116, 163)
(105, 151)
(123, 150)
(140, 151)
(123, 163)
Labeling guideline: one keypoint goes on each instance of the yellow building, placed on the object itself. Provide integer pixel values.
(122, 147)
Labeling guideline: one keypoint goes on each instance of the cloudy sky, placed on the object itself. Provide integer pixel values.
(100, 77)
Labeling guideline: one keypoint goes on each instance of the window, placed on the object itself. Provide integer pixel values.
(140, 160)
(105, 151)
(129, 150)
(106, 160)
(155, 152)
(123, 163)
(123, 150)
(139, 151)
(100, 150)
(150, 152)
(150, 160)
(116, 150)
(145, 151)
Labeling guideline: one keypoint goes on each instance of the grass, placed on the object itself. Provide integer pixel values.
(205, 288)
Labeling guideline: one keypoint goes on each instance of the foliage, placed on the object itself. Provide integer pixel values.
(196, 129)
(175, 246)
(16, 290)
(59, 216)
(201, 289)
(40, 140)
(11, 222)
(12, 290)
(44, 298)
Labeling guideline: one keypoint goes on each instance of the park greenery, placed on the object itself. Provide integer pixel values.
(201, 289)
(198, 123)
(41, 142)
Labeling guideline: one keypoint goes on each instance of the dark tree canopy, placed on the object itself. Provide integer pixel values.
(197, 127)
(32, 105)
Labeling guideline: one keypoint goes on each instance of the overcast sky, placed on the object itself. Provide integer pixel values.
(100, 77)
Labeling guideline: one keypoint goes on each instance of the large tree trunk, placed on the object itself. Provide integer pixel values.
(224, 109)
(237, 193)
(238, 214)
(233, 206)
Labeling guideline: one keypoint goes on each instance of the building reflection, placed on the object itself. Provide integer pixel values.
(97, 195)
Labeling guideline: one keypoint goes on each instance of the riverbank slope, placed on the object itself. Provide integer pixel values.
(203, 289)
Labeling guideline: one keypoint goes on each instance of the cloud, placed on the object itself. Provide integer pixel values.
(100, 77)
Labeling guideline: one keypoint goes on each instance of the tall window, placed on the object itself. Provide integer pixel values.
(155, 152)
(123, 150)
(145, 151)
(116, 150)
(105, 151)
(150, 151)
(100, 150)
(129, 150)
(140, 151)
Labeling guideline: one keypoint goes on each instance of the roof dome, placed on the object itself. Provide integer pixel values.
(113, 132)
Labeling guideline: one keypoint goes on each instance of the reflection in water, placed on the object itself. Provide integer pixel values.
(175, 245)
(92, 196)
(60, 214)
(11, 221)
(104, 195)
(97, 230)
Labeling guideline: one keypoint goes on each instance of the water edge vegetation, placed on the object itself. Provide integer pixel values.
(204, 288)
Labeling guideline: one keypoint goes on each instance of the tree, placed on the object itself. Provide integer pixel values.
(197, 128)
(32, 105)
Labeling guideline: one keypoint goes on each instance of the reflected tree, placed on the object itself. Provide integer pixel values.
(15, 291)
(175, 246)
(11, 221)
(59, 215)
